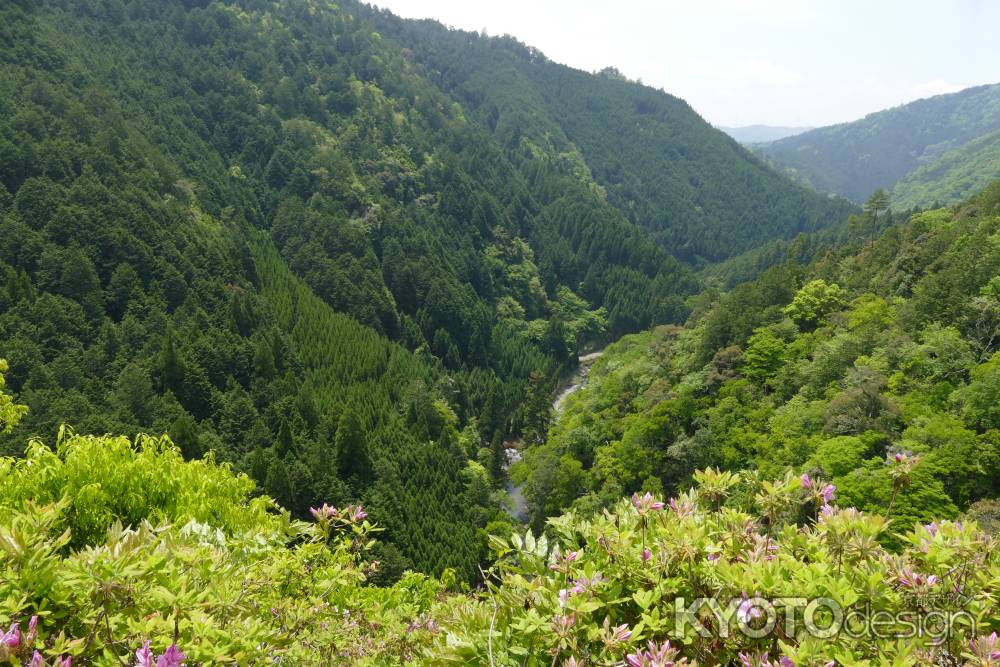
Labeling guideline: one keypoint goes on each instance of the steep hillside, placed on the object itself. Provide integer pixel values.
(694, 189)
(953, 177)
(253, 227)
(890, 347)
(855, 159)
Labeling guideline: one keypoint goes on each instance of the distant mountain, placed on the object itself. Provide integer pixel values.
(762, 134)
(855, 159)
(953, 177)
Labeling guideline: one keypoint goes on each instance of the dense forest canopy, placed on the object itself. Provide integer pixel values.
(691, 187)
(878, 347)
(279, 232)
(933, 148)
(284, 284)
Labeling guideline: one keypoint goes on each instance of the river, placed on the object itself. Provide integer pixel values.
(571, 384)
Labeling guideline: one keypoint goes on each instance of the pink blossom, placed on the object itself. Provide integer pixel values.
(172, 657)
(613, 636)
(354, 513)
(563, 561)
(621, 634)
(828, 493)
(32, 634)
(654, 656)
(563, 623)
(144, 656)
(36, 660)
(12, 638)
(910, 579)
(747, 612)
(324, 513)
(583, 584)
(806, 481)
(646, 502)
(986, 648)
(646, 554)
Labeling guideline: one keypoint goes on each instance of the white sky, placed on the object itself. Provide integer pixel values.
(741, 62)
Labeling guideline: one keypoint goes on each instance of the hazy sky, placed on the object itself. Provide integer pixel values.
(740, 62)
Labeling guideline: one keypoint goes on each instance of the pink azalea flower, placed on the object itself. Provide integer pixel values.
(144, 656)
(36, 660)
(354, 513)
(806, 481)
(646, 554)
(172, 657)
(11, 638)
(828, 493)
(910, 579)
(646, 502)
(563, 623)
(622, 634)
(986, 648)
(32, 634)
(324, 513)
(654, 656)
(747, 612)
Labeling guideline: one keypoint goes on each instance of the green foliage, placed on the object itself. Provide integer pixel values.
(980, 399)
(145, 480)
(953, 177)
(647, 153)
(596, 590)
(10, 412)
(764, 356)
(886, 347)
(271, 233)
(113, 544)
(916, 145)
(813, 303)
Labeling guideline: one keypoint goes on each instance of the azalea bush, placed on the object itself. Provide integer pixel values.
(698, 579)
(122, 553)
(118, 552)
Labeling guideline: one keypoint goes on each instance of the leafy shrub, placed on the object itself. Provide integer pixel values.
(604, 590)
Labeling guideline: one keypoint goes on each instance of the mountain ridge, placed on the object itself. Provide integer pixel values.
(762, 133)
(856, 158)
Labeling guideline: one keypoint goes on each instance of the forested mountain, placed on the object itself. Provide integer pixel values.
(955, 176)
(326, 245)
(878, 151)
(281, 282)
(859, 420)
(653, 158)
(758, 134)
(877, 348)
